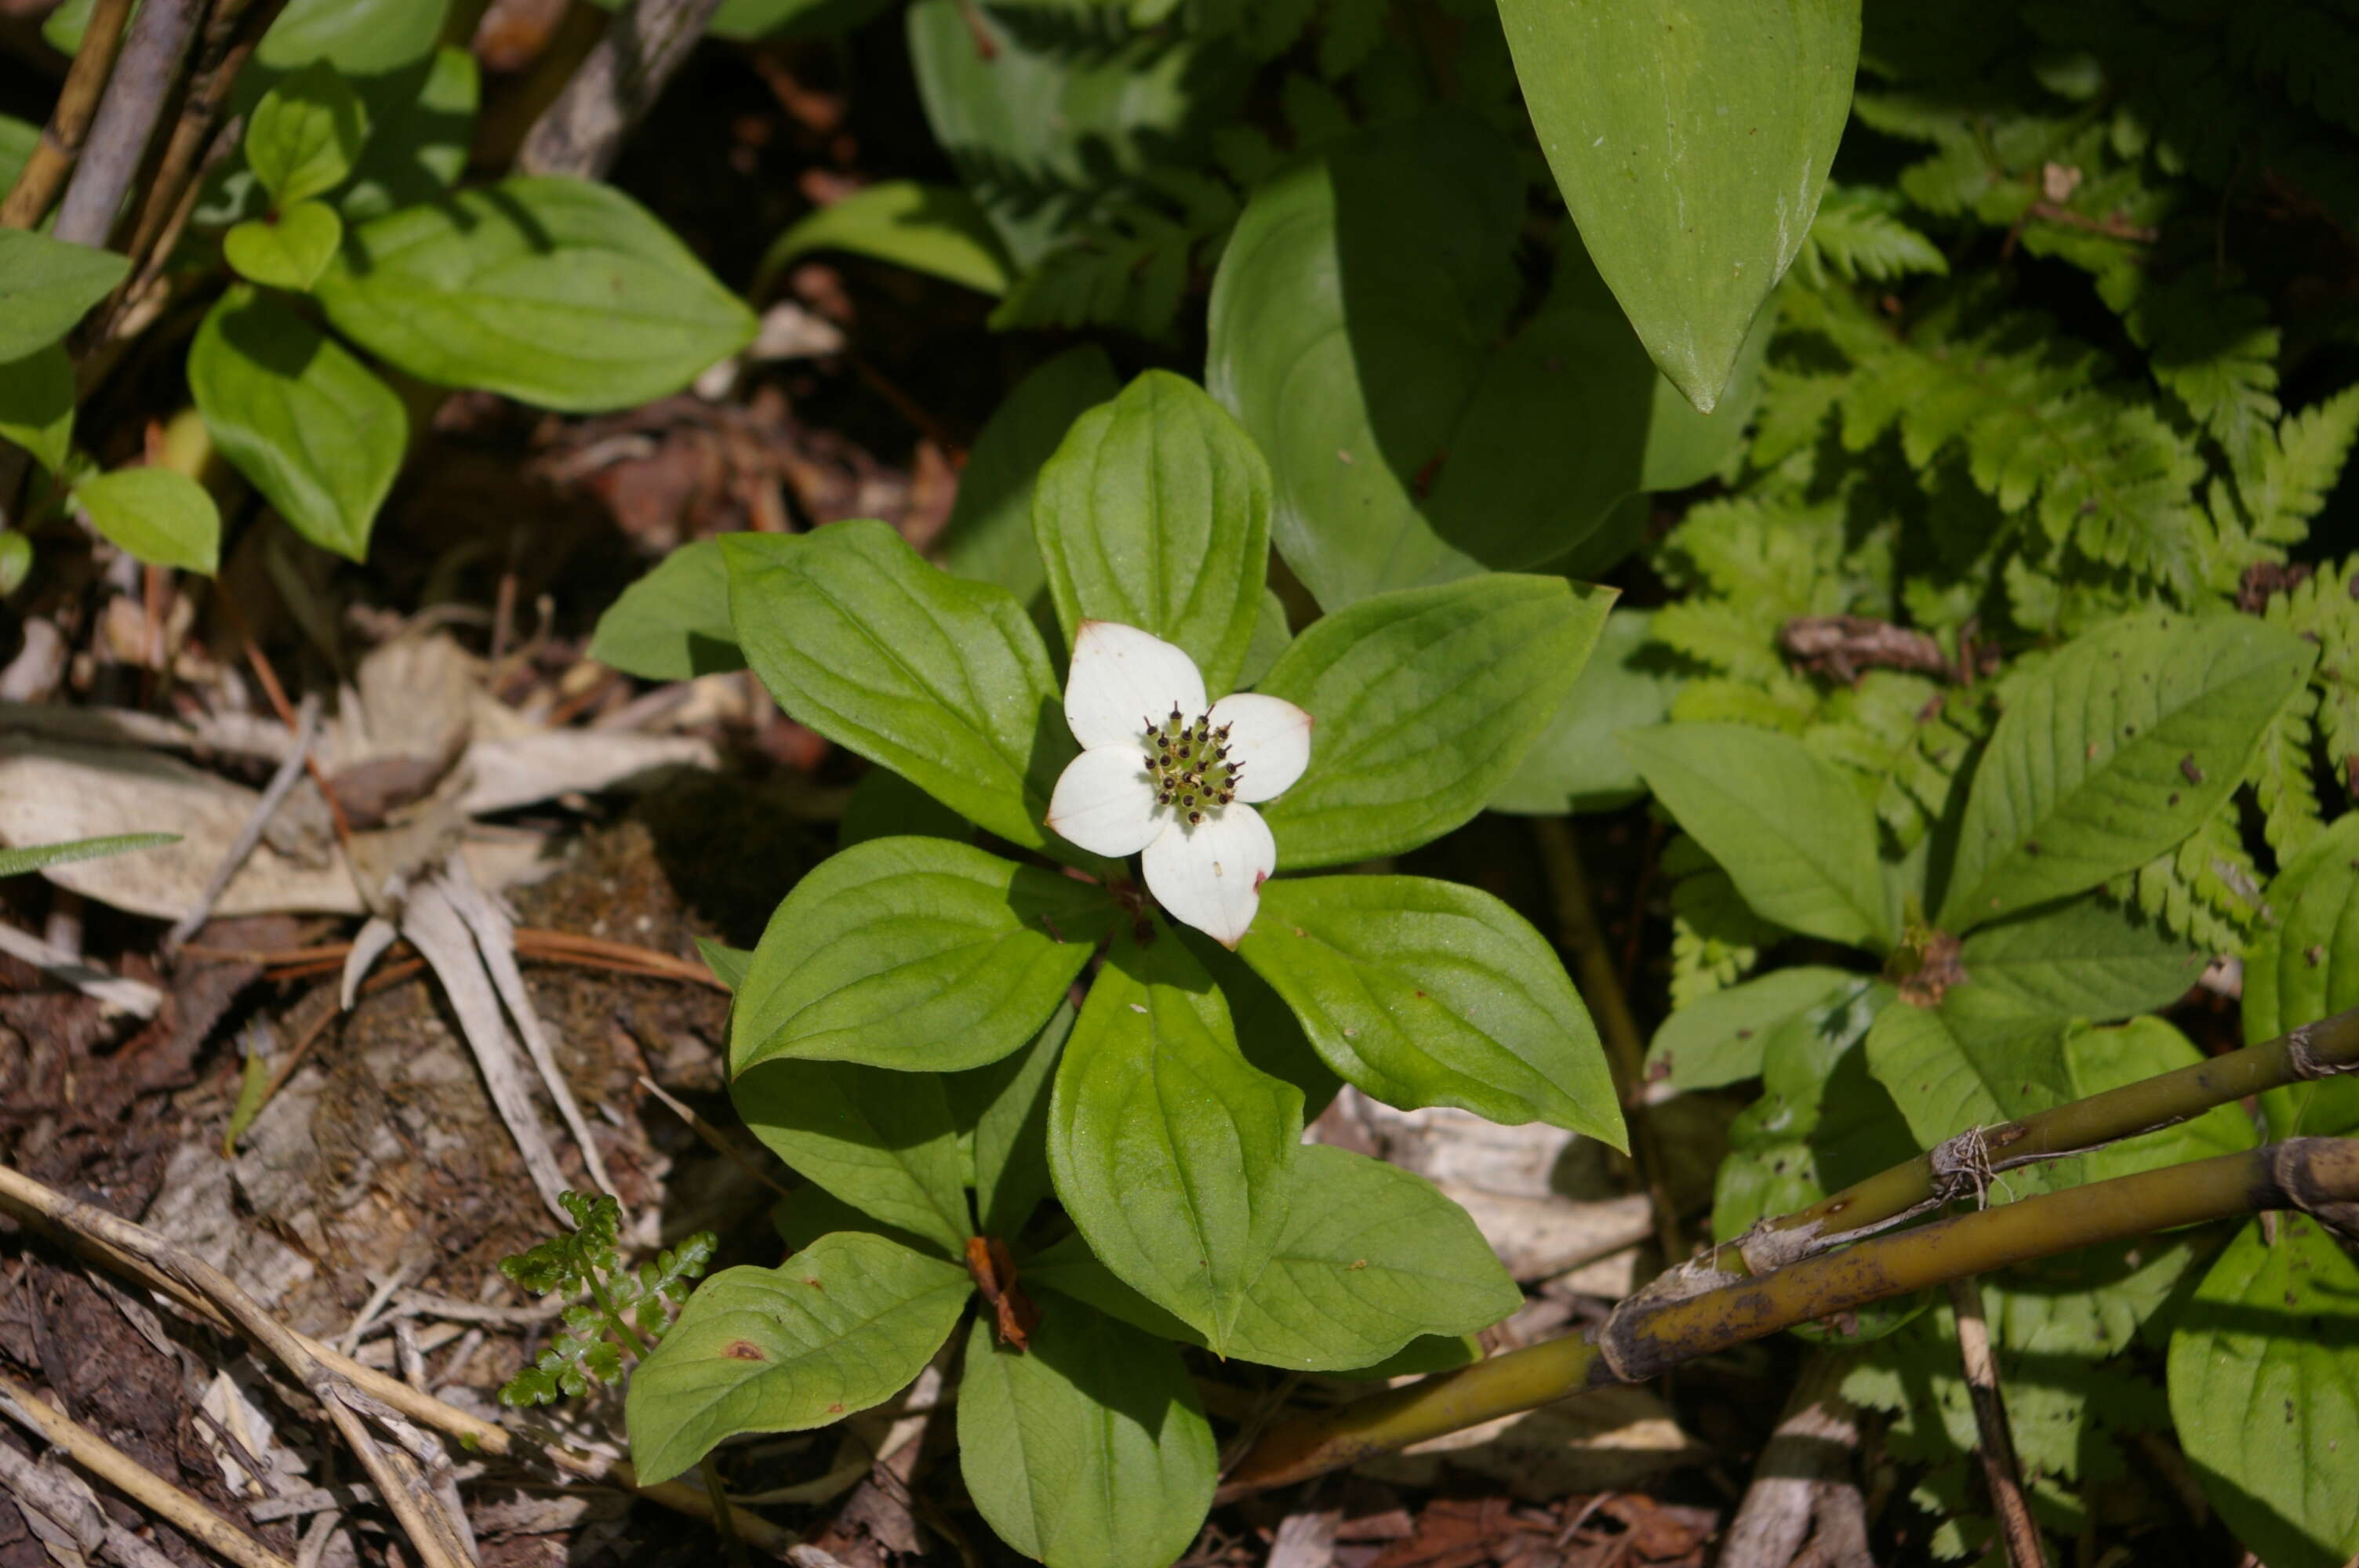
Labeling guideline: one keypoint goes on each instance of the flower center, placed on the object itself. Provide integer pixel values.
(1190, 764)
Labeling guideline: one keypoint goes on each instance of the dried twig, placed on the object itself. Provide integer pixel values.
(282, 784)
(135, 1480)
(71, 1506)
(1998, 1446)
(62, 138)
(581, 132)
(117, 992)
(134, 98)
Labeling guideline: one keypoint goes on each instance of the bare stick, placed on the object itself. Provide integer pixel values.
(62, 138)
(134, 98)
(1805, 1460)
(135, 1480)
(2000, 1471)
(581, 132)
(282, 784)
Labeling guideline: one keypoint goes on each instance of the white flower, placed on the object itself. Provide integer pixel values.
(1164, 773)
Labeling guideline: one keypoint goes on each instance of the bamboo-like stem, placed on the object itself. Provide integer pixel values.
(1659, 1329)
(2001, 1472)
(1600, 988)
(62, 138)
(136, 1481)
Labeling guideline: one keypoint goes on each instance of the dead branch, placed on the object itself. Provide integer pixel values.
(136, 93)
(581, 132)
(2000, 1471)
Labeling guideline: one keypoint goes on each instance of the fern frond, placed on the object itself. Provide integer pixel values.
(1131, 267)
(1858, 234)
(2207, 890)
(2281, 777)
(2294, 472)
(1716, 939)
(2324, 611)
(2213, 349)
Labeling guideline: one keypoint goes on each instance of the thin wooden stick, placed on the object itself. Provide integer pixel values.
(143, 78)
(2004, 1477)
(62, 138)
(135, 1480)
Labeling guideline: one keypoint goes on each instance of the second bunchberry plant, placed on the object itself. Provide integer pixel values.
(912, 1036)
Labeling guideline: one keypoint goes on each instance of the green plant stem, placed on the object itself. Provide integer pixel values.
(613, 1318)
(1660, 1328)
(709, 1468)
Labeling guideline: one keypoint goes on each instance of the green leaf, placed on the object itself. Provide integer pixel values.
(36, 405)
(316, 432)
(1424, 703)
(1155, 512)
(944, 681)
(362, 38)
(2265, 1392)
(673, 623)
(1271, 637)
(16, 561)
(305, 137)
(46, 286)
(915, 954)
(2101, 1060)
(884, 1142)
(1065, 110)
(17, 140)
(1950, 1068)
(2306, 967)
(1719, 1039)
(1788, 826)
(1089, 1449)
(844, 1324)
(748, 19)
(934, 229)
(2087, 957)
(1365, 330)
(989, 536)
(417, 148)
(288, 251)
(1011, 1121)
(1692, 140)
(2112, 751)
(1425, 992)
(556, 292)
(163, 518)
(728, 964)
(33, 857)
(1576, 765)
(1169, 1150)
(1372, 1259)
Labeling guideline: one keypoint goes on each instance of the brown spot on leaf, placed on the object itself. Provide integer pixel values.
(743, 1350)
(2187, 769)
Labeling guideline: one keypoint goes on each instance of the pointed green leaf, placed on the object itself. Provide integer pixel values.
(2086, 958)
(884, 1142)
(318, 433)
(33, 857)
(944, 681)
(2112, 751)
(305, 137)
(1155, 512)
(1788, 826)
(163, 518)
(1719, 1038)
(1692, 140)
(989, 535)
(2306, 967)
(1170, 1151)
(2265, 1392)
(16, 560)
(36, 405)
(1088, 1449)
(1425, 992)
(1422, 703)
(564, 293)
(915, 954)
(934, 229)
(46, 284)
(673, 623)
(728, 964)
(287, 251)
(842, 1324)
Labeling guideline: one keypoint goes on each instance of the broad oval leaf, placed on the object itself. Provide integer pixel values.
(2306, 967)
(1171, 1152)
(944, 681)
(1368, 328)
(559, 292)
(1692, 140)
(46, 284)
(1155, 512)
(1089, 1449)
(673, 623)
(290, 250)
(2112, 751)
(1576, 765)
(2265, 1392)
(36, 405)
(156, 515)
(362, 38)
(1424, 993)
(842, 1324)
(417, 148)
(1788, 826)
(1719, 1038)
(915, 954)
(2088, 958)
(934, 229)
(306, 135)
(315, 432)
(885, 1142)
(1424, 702)
(989, 535)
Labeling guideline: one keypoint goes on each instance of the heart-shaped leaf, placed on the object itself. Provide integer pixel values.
(288, 251)
(305, 135)
(1692, 140)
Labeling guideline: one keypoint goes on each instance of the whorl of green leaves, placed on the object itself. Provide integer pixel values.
(624, 1304)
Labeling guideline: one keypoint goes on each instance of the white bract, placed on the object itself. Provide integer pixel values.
(1167, 777)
